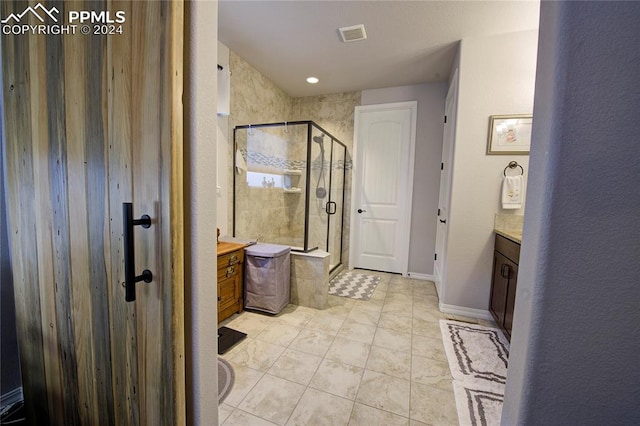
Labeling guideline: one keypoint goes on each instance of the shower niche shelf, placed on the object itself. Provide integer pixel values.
(292, 172)
(292, 181)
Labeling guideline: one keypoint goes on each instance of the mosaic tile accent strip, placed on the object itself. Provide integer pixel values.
(258, 158)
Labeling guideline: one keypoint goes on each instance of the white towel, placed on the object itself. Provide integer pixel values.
(512, 192)
(241, 165)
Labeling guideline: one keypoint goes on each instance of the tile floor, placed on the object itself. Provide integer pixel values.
(376, 362)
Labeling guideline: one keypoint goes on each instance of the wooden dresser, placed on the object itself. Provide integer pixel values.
(230, 279)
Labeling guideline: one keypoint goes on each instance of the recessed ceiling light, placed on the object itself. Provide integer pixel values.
(312, 80)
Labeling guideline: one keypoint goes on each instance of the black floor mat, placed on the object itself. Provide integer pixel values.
(227, 338)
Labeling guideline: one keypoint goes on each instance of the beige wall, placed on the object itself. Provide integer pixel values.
(223, 151)
(507, 88)
(200, 166)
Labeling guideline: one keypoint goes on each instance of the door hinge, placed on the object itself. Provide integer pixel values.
(435, 256)
(441, 166)
(438, 212)
(445, 119)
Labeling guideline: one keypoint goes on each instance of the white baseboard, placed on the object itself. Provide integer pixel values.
(11, 397)
(465, 312)
(419, 276)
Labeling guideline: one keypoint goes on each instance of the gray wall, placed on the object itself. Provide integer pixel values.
(426, 179)
(10, 365)
(576, 336)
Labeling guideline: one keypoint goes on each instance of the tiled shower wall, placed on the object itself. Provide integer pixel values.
(335, 113)
(271, 214)
(256, 100)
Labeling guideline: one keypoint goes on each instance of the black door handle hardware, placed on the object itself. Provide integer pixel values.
(443, 221)
(361, 211)
(130, 278)
(331, 207)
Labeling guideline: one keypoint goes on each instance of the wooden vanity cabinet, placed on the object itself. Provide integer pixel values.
(230, 279)
(506, 256)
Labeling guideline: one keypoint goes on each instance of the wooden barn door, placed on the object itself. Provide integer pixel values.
(93, 121)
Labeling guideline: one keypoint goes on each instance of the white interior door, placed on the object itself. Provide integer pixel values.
(384, 146)
(445, 185)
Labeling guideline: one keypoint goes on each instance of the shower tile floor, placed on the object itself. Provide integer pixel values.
(375, 362)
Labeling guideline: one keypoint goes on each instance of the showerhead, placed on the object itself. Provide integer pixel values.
(321, 192)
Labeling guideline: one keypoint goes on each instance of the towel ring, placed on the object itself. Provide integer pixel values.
(513, 165)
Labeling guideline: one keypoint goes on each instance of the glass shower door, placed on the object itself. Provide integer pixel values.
(269, 200)
(319, 158)
(335, 205)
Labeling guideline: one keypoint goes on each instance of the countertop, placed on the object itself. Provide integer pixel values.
(509, 226)
(225, 247)
(515, 236)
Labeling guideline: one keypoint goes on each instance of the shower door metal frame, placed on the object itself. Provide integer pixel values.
(344, 179)
(307, 193)
(309, 125)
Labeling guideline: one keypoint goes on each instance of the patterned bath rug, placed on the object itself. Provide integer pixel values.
(353, 285)
(226, 377)
(478, 357)
(477, 406)
(476, 353)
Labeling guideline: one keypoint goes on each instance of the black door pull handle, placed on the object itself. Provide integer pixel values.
(130, 278)
(330, 207)
(505, 271)
(443, 220)
(361, 211)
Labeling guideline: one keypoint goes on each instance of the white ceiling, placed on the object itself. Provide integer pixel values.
(408, 42)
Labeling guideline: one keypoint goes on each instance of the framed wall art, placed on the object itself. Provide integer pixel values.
(509, 134)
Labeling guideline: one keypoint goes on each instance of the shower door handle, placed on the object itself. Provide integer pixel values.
(331, 207)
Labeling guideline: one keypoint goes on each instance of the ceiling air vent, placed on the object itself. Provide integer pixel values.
(354, 33)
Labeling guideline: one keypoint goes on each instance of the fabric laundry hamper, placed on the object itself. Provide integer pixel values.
(267, 277)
